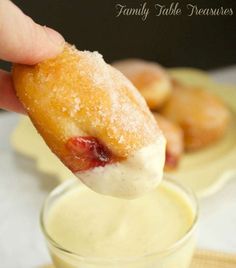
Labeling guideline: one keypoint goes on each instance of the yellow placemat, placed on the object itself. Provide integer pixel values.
(206, 259)
(205, 171)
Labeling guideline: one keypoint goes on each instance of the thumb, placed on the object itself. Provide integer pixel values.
(24, 41)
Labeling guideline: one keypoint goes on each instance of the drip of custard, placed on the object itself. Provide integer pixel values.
(94, 225)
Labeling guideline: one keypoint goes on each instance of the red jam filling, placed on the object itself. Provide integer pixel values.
(87, 153)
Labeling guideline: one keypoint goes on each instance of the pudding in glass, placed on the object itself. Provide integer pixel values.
(88, 230)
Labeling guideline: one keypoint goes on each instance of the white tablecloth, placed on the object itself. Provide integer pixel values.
(22, 190)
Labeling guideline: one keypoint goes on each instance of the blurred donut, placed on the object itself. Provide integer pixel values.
(202, 116)
(149, 78)
(174, 141)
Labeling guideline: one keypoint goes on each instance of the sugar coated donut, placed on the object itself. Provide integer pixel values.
(202, 116)
(94, 120)
(174, 141)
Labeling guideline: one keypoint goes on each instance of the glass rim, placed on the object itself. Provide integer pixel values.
(165, 252)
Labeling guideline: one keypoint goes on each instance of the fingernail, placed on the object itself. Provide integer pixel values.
(56, 38)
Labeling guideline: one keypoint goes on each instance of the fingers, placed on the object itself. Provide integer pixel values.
(8, 99)
(24, 41)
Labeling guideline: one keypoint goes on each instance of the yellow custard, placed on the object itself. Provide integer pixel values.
(92, 225)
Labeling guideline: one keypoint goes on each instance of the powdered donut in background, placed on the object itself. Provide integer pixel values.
(201, 115)
(174, 141)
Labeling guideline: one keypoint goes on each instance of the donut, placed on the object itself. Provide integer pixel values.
(174, 141)
(149, 78)
(94, 120)
(202, 116)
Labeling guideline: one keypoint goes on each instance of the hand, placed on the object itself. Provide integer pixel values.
(22, 41)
